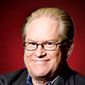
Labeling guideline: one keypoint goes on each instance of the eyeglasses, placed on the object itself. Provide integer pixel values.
(48, 45)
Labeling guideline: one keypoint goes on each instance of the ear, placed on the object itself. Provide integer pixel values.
(70, 49)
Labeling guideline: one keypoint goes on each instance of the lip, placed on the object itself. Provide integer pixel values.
(39, 60)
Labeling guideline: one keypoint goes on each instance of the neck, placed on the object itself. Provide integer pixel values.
(38, 82)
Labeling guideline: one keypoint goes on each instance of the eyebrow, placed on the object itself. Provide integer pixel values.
(50, 40)
(30, 40)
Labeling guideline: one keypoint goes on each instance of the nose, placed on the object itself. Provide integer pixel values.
(40, 52)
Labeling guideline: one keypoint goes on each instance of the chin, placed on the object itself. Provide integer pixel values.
(42, 74)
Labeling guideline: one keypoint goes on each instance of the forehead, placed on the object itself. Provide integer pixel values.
(43, 28)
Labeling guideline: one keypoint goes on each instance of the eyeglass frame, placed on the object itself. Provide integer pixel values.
(63, 42)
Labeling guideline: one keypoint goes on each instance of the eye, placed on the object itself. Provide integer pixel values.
(30, 46)
(49, 44)
(31, 43)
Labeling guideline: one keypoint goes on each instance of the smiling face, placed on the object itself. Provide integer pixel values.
(40, 62)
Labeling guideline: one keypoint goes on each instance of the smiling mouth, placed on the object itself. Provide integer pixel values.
(41, 61)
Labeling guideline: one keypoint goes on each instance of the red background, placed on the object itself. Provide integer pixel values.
(12, 14)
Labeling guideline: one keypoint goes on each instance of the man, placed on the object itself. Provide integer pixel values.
(48, 38)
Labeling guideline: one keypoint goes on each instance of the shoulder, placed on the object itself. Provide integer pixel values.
(79, 79)
(75, 78)
(10, 78)
(72, 77)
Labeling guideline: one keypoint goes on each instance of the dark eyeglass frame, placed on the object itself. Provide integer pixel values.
(64, 42)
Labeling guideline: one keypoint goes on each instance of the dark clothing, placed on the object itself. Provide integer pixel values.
(67, 77)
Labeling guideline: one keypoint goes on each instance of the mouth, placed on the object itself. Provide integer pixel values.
(41, 61)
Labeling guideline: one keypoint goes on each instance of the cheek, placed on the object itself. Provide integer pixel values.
(55, 54)
(27, 57)
(28, 54)
(55, 57)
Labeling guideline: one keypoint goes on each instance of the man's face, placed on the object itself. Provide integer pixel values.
(40, 62)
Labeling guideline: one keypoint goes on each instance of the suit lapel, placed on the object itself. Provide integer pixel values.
(22, 80)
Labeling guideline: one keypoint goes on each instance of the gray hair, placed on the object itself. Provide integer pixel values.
(55, 13)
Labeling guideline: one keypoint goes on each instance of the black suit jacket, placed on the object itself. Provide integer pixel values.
(67, 77)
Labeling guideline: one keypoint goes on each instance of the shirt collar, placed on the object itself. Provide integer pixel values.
(29, 80)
